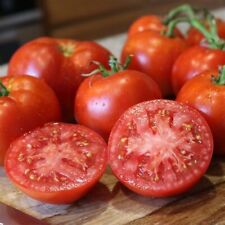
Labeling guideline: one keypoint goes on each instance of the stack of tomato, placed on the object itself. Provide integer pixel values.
(156, 147)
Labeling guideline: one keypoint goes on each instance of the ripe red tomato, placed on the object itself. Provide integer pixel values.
(101, 100)
(160, 148)
(194, 37)
(154, 54)
(208, 97)
(149, 23)
(194, 61)
(56, 163)
(60, 63)
(29, 103)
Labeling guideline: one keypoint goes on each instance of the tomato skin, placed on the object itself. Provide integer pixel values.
(101, 100)
(154, 55)
(30, 103)
(41, 177)
(60, 62)
(149, 23)
(194, 61)
(144, 141)
(207, 97)
(194, 37)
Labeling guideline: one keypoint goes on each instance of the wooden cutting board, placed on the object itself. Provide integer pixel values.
(109, 203)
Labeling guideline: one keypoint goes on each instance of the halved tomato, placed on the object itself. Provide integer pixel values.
(160, 148)
(56, 163)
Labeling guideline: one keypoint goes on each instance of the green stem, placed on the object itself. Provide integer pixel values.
(186, 8)
(3, 90)
(220, 79)
(172, 24)
(115, 67)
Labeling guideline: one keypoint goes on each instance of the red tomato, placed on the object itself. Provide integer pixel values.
(160, 148)
(149, 23)
(101, 100)
(60, 63)
(194, 37)
(154, 54)
(30, 103)
(194, 61)
(56, 163)
(208, 97)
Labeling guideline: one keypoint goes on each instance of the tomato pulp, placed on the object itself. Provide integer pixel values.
(160, 148)
(56, 163)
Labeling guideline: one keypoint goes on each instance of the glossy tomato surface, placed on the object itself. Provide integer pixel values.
(30, 103)
(61, 63)
(154, 54)
(194, 61)
(147, 22)
(194, 37)
(150, 23)
(56, 163)
(160, 148)
(101, 100)
(202, 93)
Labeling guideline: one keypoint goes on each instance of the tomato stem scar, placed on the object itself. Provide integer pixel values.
(3, 90)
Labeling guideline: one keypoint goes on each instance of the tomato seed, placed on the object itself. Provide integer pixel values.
(21, 157)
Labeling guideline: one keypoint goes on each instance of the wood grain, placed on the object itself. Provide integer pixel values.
(84, 19)
(109, 203)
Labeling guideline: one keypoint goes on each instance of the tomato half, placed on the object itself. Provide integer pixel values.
(60, 62)
(208, 97)
(29, 103)
(194, 61)
(154, 54)
(100, 101)
(56, 163)
(160, 148)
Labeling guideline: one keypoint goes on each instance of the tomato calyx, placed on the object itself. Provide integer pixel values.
(115, 67)
(3, 90)
(67, 49)
(220, 79)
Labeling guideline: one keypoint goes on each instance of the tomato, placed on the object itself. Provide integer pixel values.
(160, 148)
(147, 22)
(194, 37)
(101, 100)
(193, 61)
(151, 23)
(56, 163)
(208, 97)
(60, 62)
(154, 54)
(30, 102)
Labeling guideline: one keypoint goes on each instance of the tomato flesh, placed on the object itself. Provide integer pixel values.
(57, 163)
(160, 148)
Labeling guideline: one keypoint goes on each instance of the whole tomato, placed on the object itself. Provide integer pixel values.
(25, 103)
(206, 92)
(154, 54)
(103, 97)
(193, 61)
(60, 62)
(194, 37)
(151, 23)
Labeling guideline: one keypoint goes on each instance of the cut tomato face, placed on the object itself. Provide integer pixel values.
(160, 148)
(57, 163)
